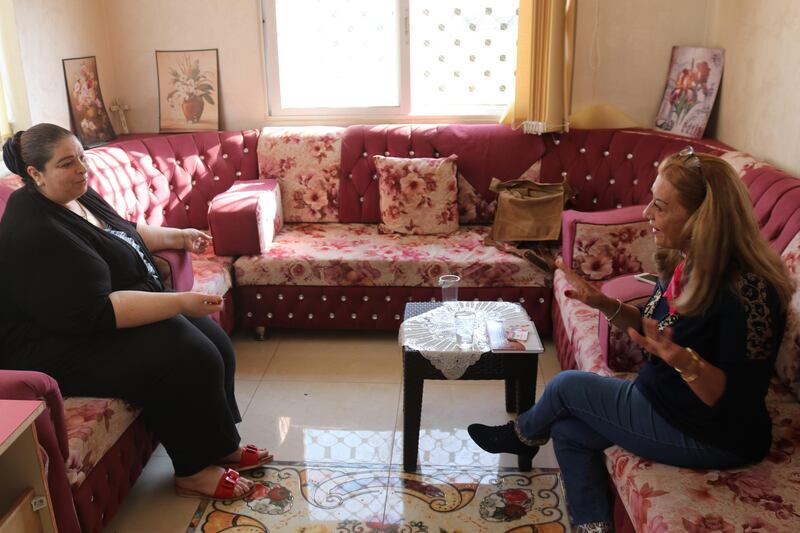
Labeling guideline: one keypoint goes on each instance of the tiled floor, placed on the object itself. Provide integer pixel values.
(334, 396)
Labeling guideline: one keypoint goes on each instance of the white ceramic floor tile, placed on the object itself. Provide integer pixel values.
(448, 407)
(244, 390)
(313, 421)
(548, 361)
(335, 397)
(373, 357)
(253, 356)
(152, 505)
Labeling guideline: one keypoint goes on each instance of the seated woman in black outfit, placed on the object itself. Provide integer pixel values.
(83, 303)
(710, 335)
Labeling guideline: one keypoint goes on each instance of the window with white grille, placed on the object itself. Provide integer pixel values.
(390, 57)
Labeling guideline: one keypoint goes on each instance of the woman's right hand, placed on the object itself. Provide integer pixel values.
(197, 304)
(581, 290)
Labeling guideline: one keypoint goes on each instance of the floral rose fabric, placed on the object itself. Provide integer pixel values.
(357, 254)
(213, 274)
(788, 363)
(306, 162)
(763, 498)
(581, 324)
(603, 252)
(417, 196)
(93, 426)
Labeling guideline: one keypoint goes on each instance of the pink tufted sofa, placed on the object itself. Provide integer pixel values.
(329, 268)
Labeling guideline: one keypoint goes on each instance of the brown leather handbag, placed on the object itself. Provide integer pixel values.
(528, 210)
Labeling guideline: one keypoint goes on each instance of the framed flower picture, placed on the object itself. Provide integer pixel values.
(188, 90)
(87, 113)
(692, 84)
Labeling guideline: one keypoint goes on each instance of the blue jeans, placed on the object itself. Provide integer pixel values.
(585, 413)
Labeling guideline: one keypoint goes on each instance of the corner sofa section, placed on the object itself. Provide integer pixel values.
(653, 497)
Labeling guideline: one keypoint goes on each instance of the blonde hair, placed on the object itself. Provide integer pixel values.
(723, 235)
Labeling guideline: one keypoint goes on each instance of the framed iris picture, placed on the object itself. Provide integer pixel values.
(692, 84)
(87, 112)
(188, 90)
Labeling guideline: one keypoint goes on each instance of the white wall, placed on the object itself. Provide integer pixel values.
(20, 114)
(137, 28)
(759, 104)
(622, 55)
(623, 48)
(49, 31)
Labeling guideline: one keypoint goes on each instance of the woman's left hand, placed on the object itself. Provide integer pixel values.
(659, 343)
(195, 240)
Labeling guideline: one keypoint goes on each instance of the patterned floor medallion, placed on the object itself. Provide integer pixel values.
(348, 498)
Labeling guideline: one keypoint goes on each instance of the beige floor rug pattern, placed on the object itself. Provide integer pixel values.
(362, 498)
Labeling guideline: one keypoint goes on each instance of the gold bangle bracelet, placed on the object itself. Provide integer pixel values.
(695, 365)
(619, 308)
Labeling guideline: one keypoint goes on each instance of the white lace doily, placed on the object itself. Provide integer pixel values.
(432, 334)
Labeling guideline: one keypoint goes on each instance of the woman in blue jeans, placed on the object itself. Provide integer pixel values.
(710, 334)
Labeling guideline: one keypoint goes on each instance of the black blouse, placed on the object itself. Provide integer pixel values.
(740, 334)
(58, 270)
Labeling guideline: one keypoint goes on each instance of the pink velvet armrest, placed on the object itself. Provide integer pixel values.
(245, 218)
(52, 433)
(175, 267)
(618, 350)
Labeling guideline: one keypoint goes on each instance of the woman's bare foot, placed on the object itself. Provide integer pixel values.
(236, 457)
(206, 481)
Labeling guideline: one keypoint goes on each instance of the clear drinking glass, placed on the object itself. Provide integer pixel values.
(449, 284)
(464, 326)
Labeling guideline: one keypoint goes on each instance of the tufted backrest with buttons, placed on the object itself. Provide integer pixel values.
(611, 169)
(607, 169)
(484, 151)
(170, 180)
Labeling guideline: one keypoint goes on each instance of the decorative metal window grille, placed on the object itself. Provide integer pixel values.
(433, 57)
(462, 53)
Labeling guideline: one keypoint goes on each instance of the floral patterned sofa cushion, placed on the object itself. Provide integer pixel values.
(306, 163)
(605, 251)
(417, 196)
(788, 362)
(581, 325)
(763, 498)
(93, 426)
(213, 274)
(357, 254)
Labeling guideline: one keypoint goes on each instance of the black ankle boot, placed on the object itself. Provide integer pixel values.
(500, 439)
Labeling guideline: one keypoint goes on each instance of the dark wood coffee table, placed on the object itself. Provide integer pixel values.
(518, 370)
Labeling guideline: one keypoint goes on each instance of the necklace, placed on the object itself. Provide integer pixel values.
(83, 214)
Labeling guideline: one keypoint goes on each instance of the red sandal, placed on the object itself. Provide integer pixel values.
(250, 459)
(224, 490)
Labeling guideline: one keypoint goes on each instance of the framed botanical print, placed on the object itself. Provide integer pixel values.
(692, 84)
(188, 90)
(87, 113)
